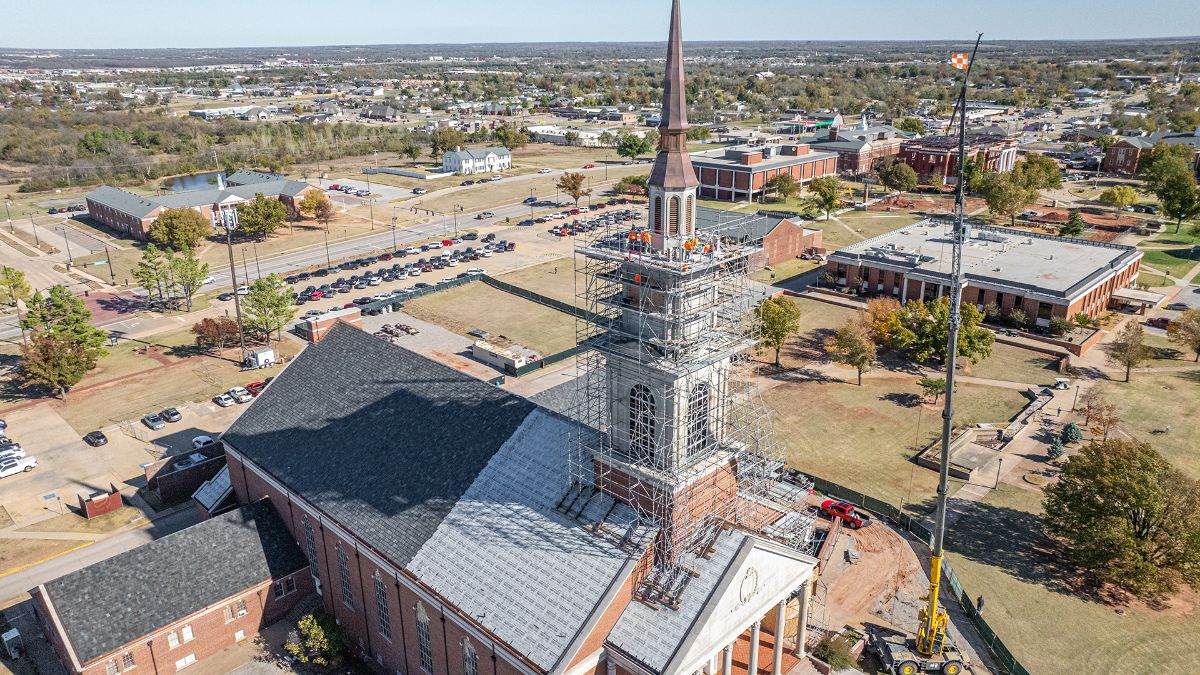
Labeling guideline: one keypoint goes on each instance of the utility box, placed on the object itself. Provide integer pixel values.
(13, 645)
(261, 358)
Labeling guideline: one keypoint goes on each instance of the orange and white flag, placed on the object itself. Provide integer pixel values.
(960, 61)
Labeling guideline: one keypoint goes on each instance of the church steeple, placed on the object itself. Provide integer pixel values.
(672, 184)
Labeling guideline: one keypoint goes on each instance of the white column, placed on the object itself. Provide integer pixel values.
(802, 620)
(754, 636)
(922, 298)
(780, 623)
(727, 660)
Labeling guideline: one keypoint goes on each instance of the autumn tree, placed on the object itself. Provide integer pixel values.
(1184, 330)
(511, 137)
(852, 346)
(1128, 517)
(324, 213)
(1119, 197)
(826, 189)
(215, 333)
(13, 286)
(1037, 172)
(181, 228)
(1005, 196)
(573, 185)
(312, 202)
(778, 321)
(928, 333)
(884, 325)
(784, 186)
(1129, 349)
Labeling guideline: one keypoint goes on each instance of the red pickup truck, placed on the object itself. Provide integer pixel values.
(845, 510)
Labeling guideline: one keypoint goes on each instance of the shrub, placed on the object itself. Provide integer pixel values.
(1060, 326)
(834, 650)
(1071, 433)
(1056, 449)
(319, 641)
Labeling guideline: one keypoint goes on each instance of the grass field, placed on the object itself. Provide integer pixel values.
(996, 552)
(853, 227)
(1154, 401)
(504, 315)
(784, 270)
(554, 279)
(1173, 261)
(1171, 238)
(1014, 364)
(1154, 280)
(18, 553)
(73, 522)
(863, 437)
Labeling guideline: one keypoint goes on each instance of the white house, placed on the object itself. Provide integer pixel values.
(476, 160)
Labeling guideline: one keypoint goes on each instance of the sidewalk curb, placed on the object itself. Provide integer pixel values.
(47, 559)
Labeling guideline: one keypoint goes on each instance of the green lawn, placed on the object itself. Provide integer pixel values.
(1173, 261)
(1154, 401)
(997, 551)
(1170, 238)
(1154, 280)
(1014, 364)
(863, 437)
(784, 270)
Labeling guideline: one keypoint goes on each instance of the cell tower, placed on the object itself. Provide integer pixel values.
(669, 418)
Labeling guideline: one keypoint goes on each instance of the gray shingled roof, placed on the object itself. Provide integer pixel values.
(248, 177)
(449, 477)
(123, 201)
(478, 153)
(671, 626)
(116, 601)
(383, 440)
(736, 224)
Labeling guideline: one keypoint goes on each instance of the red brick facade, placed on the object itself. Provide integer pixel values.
(789, 239)
(936, 157)
(1123, 157)
(728, 182)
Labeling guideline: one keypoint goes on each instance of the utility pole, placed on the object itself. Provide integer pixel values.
(228, 219)
(70, 259)
(36, 241)
(394, 230)
(8, 214)
(257, 267)
(245, 265)
(328, 262)
(111, 272)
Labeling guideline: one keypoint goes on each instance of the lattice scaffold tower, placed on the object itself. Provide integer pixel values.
(669, 418)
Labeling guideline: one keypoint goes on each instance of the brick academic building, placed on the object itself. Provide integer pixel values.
(1043, 275)
(741, 172)
(937, 156)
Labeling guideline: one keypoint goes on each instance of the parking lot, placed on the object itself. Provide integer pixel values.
(381, 192)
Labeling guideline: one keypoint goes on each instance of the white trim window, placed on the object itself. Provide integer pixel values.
(344, 573)
(381, 607)
(127, 662)
(424, 645)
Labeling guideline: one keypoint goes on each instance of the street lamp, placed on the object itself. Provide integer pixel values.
(257, 267)
(70, 260)
(328, 262)
(227, 218)
(36, 241)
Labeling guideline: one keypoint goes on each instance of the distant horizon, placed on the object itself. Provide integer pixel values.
(290, 24)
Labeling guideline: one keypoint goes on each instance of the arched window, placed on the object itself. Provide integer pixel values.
(699, 433)
(656, 216)
(673, 224)
(424, 647)
(689, 229)
(641, 423)
(470, 658)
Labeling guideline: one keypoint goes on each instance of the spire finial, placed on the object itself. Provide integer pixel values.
(674, 93)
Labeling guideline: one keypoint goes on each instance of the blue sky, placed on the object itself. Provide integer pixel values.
(255, 23)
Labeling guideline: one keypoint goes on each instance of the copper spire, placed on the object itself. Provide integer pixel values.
(673, 167)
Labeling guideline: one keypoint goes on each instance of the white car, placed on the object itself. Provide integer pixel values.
(241, 394)
(209, 280)
(243, 290)
(543, 170)
(15, 465)
(201, 441)
(13, 451)
(476, 271)
(412, 250)
(497, 177)
(434, 244)
(223, 400)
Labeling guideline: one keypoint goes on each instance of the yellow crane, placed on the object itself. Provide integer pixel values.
(932, 650)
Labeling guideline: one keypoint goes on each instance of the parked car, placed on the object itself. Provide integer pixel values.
(201, 441)
(467, 182)
(225, 297)
(543, 170)
(1159, 322)
(243, 290)
(530, 200)
(223, 400)
(845, 510)
(14, 451)
(420, 191)
(335, 186)
(240, 394)
(10, 467)
(171, 414)
(153, 421)
(95, 438)
(589, 166)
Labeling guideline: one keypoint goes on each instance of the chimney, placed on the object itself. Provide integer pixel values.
(458, 148)
(833, 133)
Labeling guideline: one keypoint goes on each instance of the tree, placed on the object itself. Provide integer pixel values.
(1060, 326)
(511, 137)
(826, 188)
(852, 346)
(1129, 350)
(57, 361)
(836, 651)
(900, 177)
(261, 216)
(911, 125)
(1119, 197)
(1093, 401)
(778, 320)
(153, 272)
(215, 333)
(1128, 517)
(1074, 225)
(268, 307)
(974, 176)
(324, 213)
(883, 323)
(1071, 433)
(188, 273)
(933, 386)
(181, 228)
(318, 641)
(1185, 330)
(573, 185)
(1005, 196)
(571, 138)
(60, 313)
(1038, 172)
(445, 139)
(630, 146)
(13, 286)
(1056, 449)
(411, 149)
(632, 185)
(1176, 190)
(927, 326)
(1017, 317)
(313, 201)
(784, 186)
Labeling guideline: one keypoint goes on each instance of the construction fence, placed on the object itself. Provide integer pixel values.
(1005, 661)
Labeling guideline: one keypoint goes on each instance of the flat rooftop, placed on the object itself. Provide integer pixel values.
(720, 158)
(1056, 266)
